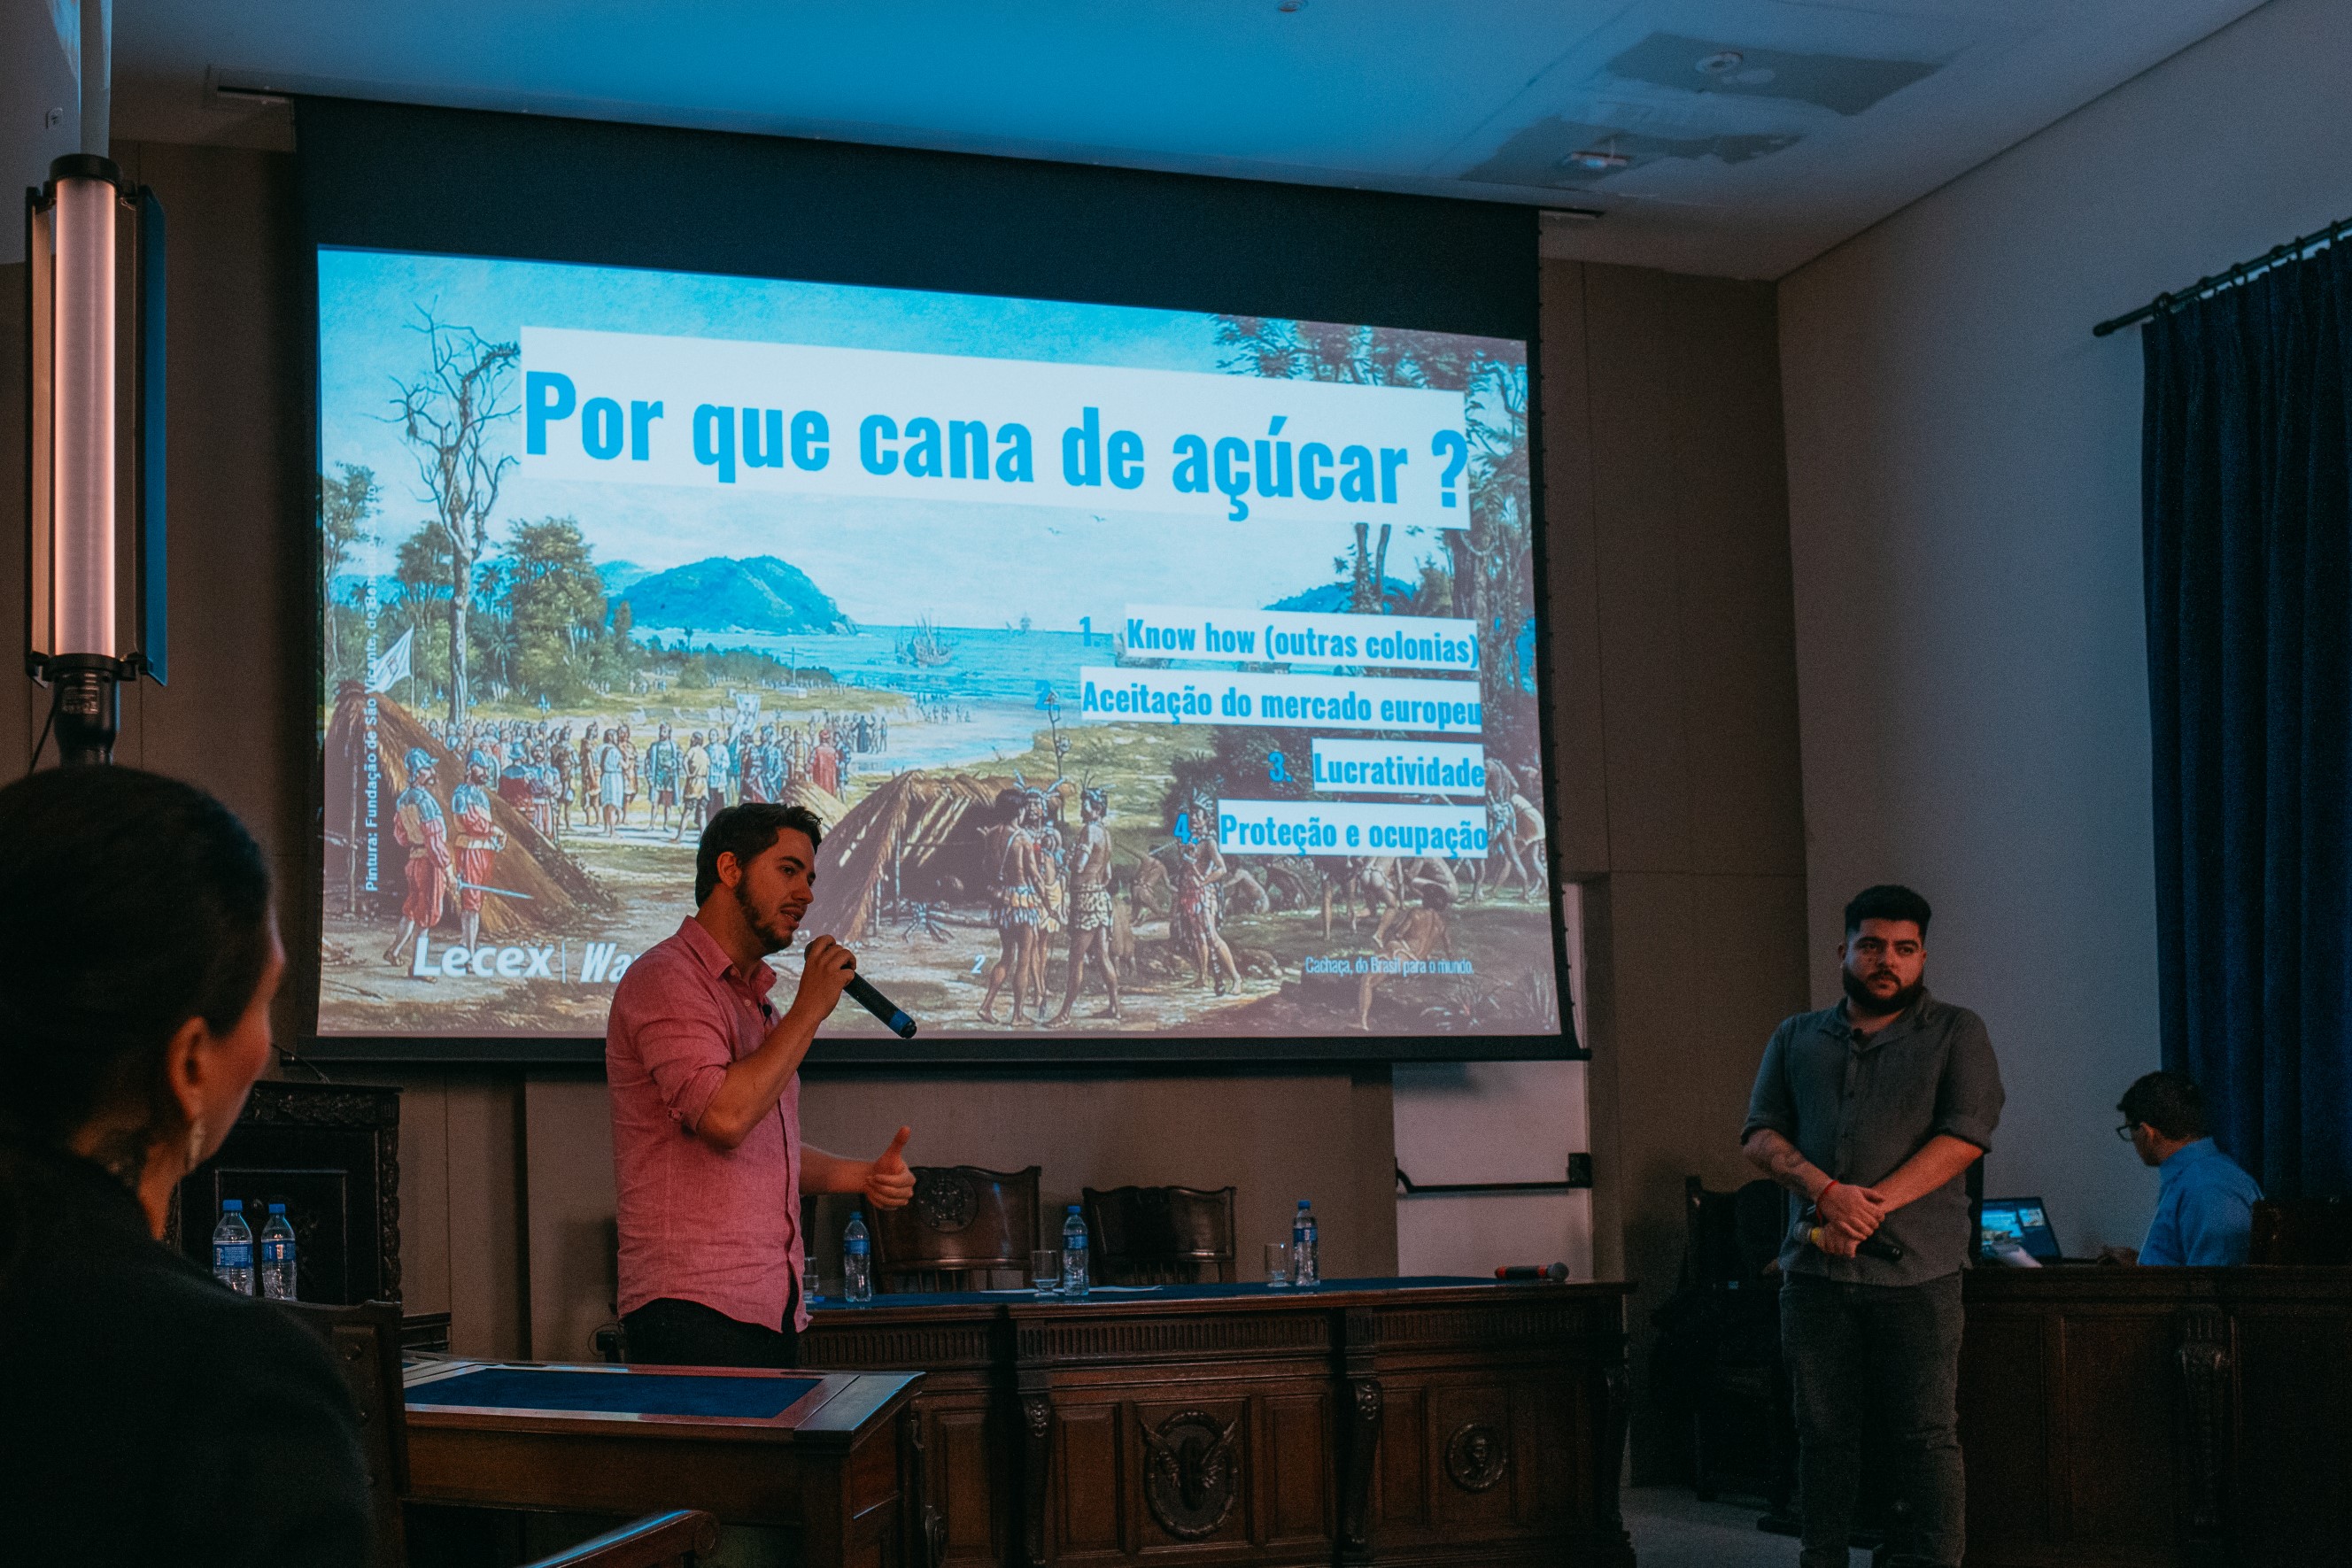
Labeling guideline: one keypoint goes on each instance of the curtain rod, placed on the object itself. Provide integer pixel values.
(2238, 274)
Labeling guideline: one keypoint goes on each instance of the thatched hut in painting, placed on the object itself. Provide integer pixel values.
(919, 838)
(555, 885)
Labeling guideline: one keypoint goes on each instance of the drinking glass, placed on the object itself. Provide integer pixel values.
(812, 1282)
(1277, 1263)
(1045, 1272)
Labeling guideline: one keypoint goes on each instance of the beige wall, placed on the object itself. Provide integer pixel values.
(1676, 686)
(1676, 780)
(1964, 500)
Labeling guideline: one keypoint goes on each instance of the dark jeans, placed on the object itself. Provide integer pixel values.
(671, 1333)
(1897, 1348)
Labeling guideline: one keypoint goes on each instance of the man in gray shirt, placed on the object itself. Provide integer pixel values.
(1868, 1113)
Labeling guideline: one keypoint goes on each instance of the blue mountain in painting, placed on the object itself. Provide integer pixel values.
(725, 595)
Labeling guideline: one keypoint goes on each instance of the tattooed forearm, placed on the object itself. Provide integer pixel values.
(1779, 1158)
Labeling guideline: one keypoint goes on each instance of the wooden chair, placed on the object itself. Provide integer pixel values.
(1161, 1235)
(1724, 1330)
(2305, 1230)
(964, 1221)
(678, 1539)
(366, 1342)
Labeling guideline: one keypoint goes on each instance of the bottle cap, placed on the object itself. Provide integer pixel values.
(1073, 1209)
(277, 1208)
(232, 1206)
(1303, 1203)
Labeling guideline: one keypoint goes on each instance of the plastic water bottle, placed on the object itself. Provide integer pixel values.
(1074, 1253)
(277, 1256)
(856, 1262)
(233, 1247)
(1304, 1269)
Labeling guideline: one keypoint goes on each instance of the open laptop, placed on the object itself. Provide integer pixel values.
(2016, 1222)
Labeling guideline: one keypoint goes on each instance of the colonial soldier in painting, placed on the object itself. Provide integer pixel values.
(662, 763)
(419, 826)
(479, 839)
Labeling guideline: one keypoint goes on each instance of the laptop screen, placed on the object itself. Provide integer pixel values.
(2021, 1222)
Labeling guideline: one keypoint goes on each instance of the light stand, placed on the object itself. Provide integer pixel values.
(94, 566)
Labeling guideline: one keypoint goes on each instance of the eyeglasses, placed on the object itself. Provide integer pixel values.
(2127, 1130)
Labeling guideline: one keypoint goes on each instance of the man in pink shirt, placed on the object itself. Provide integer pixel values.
(705, 1077)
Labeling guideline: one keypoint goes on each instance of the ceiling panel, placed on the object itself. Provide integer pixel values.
(1753, 133)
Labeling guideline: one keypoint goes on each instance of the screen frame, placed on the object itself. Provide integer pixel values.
(512, 154)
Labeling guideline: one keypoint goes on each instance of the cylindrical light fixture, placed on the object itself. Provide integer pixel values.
(94, 249)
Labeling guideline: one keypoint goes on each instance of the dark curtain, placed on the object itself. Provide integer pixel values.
(2247, 528)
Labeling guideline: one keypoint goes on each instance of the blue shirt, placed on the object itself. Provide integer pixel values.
(2204, 1209)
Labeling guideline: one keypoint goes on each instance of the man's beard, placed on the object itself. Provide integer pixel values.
(774, 938)
(1863, 1002)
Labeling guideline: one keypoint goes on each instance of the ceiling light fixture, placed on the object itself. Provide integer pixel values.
(1598, 159)
(1721, 63)
(1288, 8)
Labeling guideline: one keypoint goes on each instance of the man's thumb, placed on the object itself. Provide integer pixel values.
(897, 1143)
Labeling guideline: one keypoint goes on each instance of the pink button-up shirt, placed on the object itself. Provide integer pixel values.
(696, 1223)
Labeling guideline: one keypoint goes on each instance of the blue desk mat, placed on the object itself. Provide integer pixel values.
(1211, 1293)
(615, 1394)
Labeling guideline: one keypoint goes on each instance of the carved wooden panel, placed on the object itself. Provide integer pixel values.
(2289, 1490)
(1350, 1427)
(1405, 1468)
(2009, 1367)
(1296, 1475)
(2119, 1382)
(1140, 1338)
(1470, 1439)
(1087, 1469)
(965, 1481)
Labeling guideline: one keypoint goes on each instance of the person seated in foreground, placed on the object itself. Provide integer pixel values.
(148, 1414)
(2205, 1203)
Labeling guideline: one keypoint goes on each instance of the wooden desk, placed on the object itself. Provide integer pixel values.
(828, 1465)
(1363, 1422)
(2153, 1416)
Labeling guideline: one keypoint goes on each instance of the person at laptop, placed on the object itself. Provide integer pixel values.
(1868, 1113)
(2204, 1201)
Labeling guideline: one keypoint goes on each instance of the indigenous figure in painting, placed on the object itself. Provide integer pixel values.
(1407, 936)
(1026, 876)
(479, 839)
(1090, 907)
(1198, 870)
(419, 826)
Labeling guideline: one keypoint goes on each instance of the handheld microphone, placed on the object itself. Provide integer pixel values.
(1532, 1271)
(881, 1007)
(1886, 1249)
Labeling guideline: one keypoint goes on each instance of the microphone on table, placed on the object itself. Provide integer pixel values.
(1886, 1249)
(1532, 1271)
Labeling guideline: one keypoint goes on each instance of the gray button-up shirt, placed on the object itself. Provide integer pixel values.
(1858, 1106)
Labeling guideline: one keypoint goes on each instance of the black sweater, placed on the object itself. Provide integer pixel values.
(147, 1415)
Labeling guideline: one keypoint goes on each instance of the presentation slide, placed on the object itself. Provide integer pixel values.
(1152, 673)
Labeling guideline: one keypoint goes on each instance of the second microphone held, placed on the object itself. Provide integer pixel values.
(1886, 1248)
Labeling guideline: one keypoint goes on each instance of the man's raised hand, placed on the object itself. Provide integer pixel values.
(888, 1183)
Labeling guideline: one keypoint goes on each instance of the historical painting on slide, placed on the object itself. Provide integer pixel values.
(1151, 672)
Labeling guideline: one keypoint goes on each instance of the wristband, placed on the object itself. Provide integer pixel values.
(1825, 1191)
